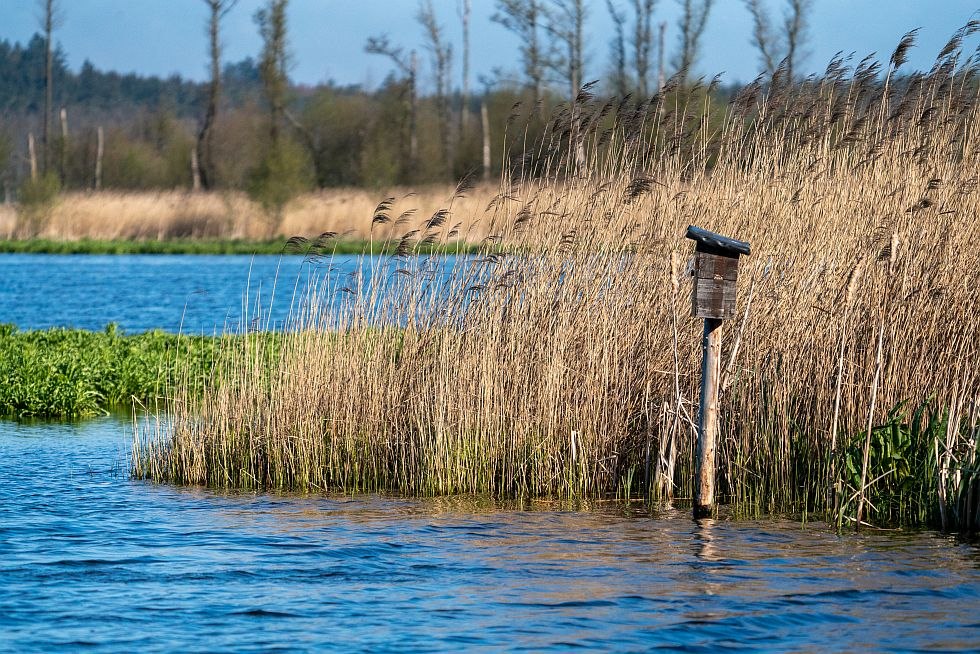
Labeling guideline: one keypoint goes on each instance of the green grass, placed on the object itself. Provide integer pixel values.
(69, 373)
(213, 246)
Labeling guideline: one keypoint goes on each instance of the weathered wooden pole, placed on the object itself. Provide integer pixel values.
(704, 495)
(713, 298)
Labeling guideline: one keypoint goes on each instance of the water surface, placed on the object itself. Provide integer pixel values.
(91, 559)
(190, 293)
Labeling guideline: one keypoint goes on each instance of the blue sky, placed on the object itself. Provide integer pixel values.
(327, 36)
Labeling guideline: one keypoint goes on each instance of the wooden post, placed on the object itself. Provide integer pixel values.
(713, 298)
(704, 489)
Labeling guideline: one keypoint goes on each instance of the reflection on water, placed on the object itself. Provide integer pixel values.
(88, 557)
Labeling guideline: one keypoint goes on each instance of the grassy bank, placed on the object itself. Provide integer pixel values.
(67, 373)
(218, 246)
(850, 386)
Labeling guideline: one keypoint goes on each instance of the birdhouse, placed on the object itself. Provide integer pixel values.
(715, 273)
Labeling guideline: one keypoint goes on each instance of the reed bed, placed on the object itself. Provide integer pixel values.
(569, 367)
(231, 215)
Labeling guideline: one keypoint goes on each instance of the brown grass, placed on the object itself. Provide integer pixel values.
(231, 215)
(571, 369)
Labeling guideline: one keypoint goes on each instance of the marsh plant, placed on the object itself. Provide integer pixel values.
(563, 361)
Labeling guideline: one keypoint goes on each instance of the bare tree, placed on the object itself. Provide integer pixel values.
(442, 56)
(566, 23)
(465, 9)
(273, 64)
(50, 17)
(794, 28)
(524, 18)
(640, 46)
(408, 66)
(694, 18)
(617, 47)
(785, 47)
(205, 159)
(661, 47)
(642, 43)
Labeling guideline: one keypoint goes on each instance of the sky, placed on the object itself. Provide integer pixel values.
(162, 37)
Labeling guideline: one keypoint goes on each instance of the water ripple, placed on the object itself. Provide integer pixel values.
(92, 560)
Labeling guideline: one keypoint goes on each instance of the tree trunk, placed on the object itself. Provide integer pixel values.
(48, 82)
(63, 149)
(205, 163)
(32, 154)
(485, 119)
(99, 152)
(413, 137)
(195, 171)
(661, 78)
(464, 113)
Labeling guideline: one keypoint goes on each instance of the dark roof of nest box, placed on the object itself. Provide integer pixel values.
(716, 243)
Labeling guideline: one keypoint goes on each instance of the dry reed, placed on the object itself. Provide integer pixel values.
(570, 367)
(169, 215)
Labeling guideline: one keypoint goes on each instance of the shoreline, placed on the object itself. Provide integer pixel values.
(222, 247)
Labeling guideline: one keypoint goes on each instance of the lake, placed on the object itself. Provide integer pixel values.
(91, 559)
(190, 293)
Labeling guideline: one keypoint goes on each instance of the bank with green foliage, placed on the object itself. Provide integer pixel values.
(72, 373)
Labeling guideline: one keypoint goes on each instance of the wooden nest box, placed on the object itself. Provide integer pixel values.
(715, 273)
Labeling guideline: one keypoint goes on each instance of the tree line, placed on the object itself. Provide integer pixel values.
(249, 127)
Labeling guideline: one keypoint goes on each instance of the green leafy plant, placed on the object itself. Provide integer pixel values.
(900, 481)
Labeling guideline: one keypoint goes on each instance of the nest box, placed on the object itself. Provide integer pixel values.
(715, 273)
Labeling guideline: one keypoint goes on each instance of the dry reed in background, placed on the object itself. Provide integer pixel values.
(169, 215)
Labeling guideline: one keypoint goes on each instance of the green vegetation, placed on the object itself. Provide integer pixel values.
(39, 193)
(215, 246)
(66, 373)
(37, 196)
(903, 464)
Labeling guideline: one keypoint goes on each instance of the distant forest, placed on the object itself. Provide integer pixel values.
(248, 127)
(343, 136)
(99, 92)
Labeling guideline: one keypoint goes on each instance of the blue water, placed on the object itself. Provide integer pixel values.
(190, 293)
(91, 560)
